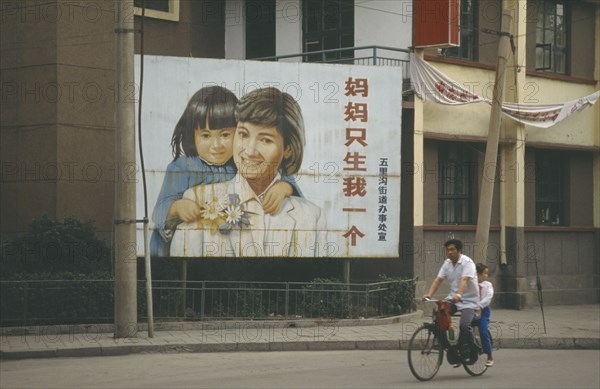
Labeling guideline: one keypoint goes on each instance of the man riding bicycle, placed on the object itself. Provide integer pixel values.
(460, 271)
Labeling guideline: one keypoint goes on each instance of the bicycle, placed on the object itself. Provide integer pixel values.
(427, 345)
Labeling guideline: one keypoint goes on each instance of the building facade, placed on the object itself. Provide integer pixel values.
(545, 211)
(58, 131)
(58, 104)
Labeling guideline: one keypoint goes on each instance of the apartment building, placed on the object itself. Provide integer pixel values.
(58, 138)
(545, 209)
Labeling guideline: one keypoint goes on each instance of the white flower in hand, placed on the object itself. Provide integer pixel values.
(234, 214)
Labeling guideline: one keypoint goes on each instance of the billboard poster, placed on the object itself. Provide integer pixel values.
(270, 159)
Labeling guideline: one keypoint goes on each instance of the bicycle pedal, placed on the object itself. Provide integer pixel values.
(453, 355)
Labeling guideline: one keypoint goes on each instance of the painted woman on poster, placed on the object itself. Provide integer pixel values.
(202, 144)
(268, 144)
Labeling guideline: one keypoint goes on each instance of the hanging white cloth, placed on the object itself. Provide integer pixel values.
(432, 85)
(547, 115)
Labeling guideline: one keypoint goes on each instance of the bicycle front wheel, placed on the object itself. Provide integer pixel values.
(479, 367)
(425, 353)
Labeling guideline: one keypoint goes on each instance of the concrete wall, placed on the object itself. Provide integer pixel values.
(198, 33)
(57, 128)
(566, 262)
(490, 12)
(288, 39)
(235, 30)
(58, 75)
(383, 23)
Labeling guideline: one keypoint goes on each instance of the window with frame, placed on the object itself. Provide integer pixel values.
(456, 173)
(551, 36)
(158, 9)
(328, 24)
(550, 183)
(259, 16)
(469, 24)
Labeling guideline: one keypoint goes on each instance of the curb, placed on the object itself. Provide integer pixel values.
(98, 351)
(203, 325)
(551, 343)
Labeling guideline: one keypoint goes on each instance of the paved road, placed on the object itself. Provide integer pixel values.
(322, 369)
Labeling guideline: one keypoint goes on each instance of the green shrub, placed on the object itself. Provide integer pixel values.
(53, 245)
(57, 272)
(323, 297)
(57, 298)
(245, 303)
(399, 296)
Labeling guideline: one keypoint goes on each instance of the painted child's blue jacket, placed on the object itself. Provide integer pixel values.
(183, 173)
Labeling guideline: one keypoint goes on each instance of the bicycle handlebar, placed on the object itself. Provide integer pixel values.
(432, 300)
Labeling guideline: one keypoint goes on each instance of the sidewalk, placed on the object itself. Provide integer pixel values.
(567, 327)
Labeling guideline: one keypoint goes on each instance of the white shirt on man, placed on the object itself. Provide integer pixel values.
(453, 273)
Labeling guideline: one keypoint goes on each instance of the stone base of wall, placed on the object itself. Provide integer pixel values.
(522, 292)
(524, 300)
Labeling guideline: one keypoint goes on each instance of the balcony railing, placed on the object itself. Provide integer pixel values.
(360, 55)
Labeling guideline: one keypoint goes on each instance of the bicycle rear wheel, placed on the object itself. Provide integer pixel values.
(425, 353)
(479, 367)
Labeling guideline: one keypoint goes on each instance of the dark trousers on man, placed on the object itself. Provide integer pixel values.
(466, 328)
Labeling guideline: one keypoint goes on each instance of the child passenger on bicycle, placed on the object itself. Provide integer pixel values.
(459, 271)
(486, 292)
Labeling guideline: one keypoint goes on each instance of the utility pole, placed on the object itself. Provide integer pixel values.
(491, 151)
(125, 221)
